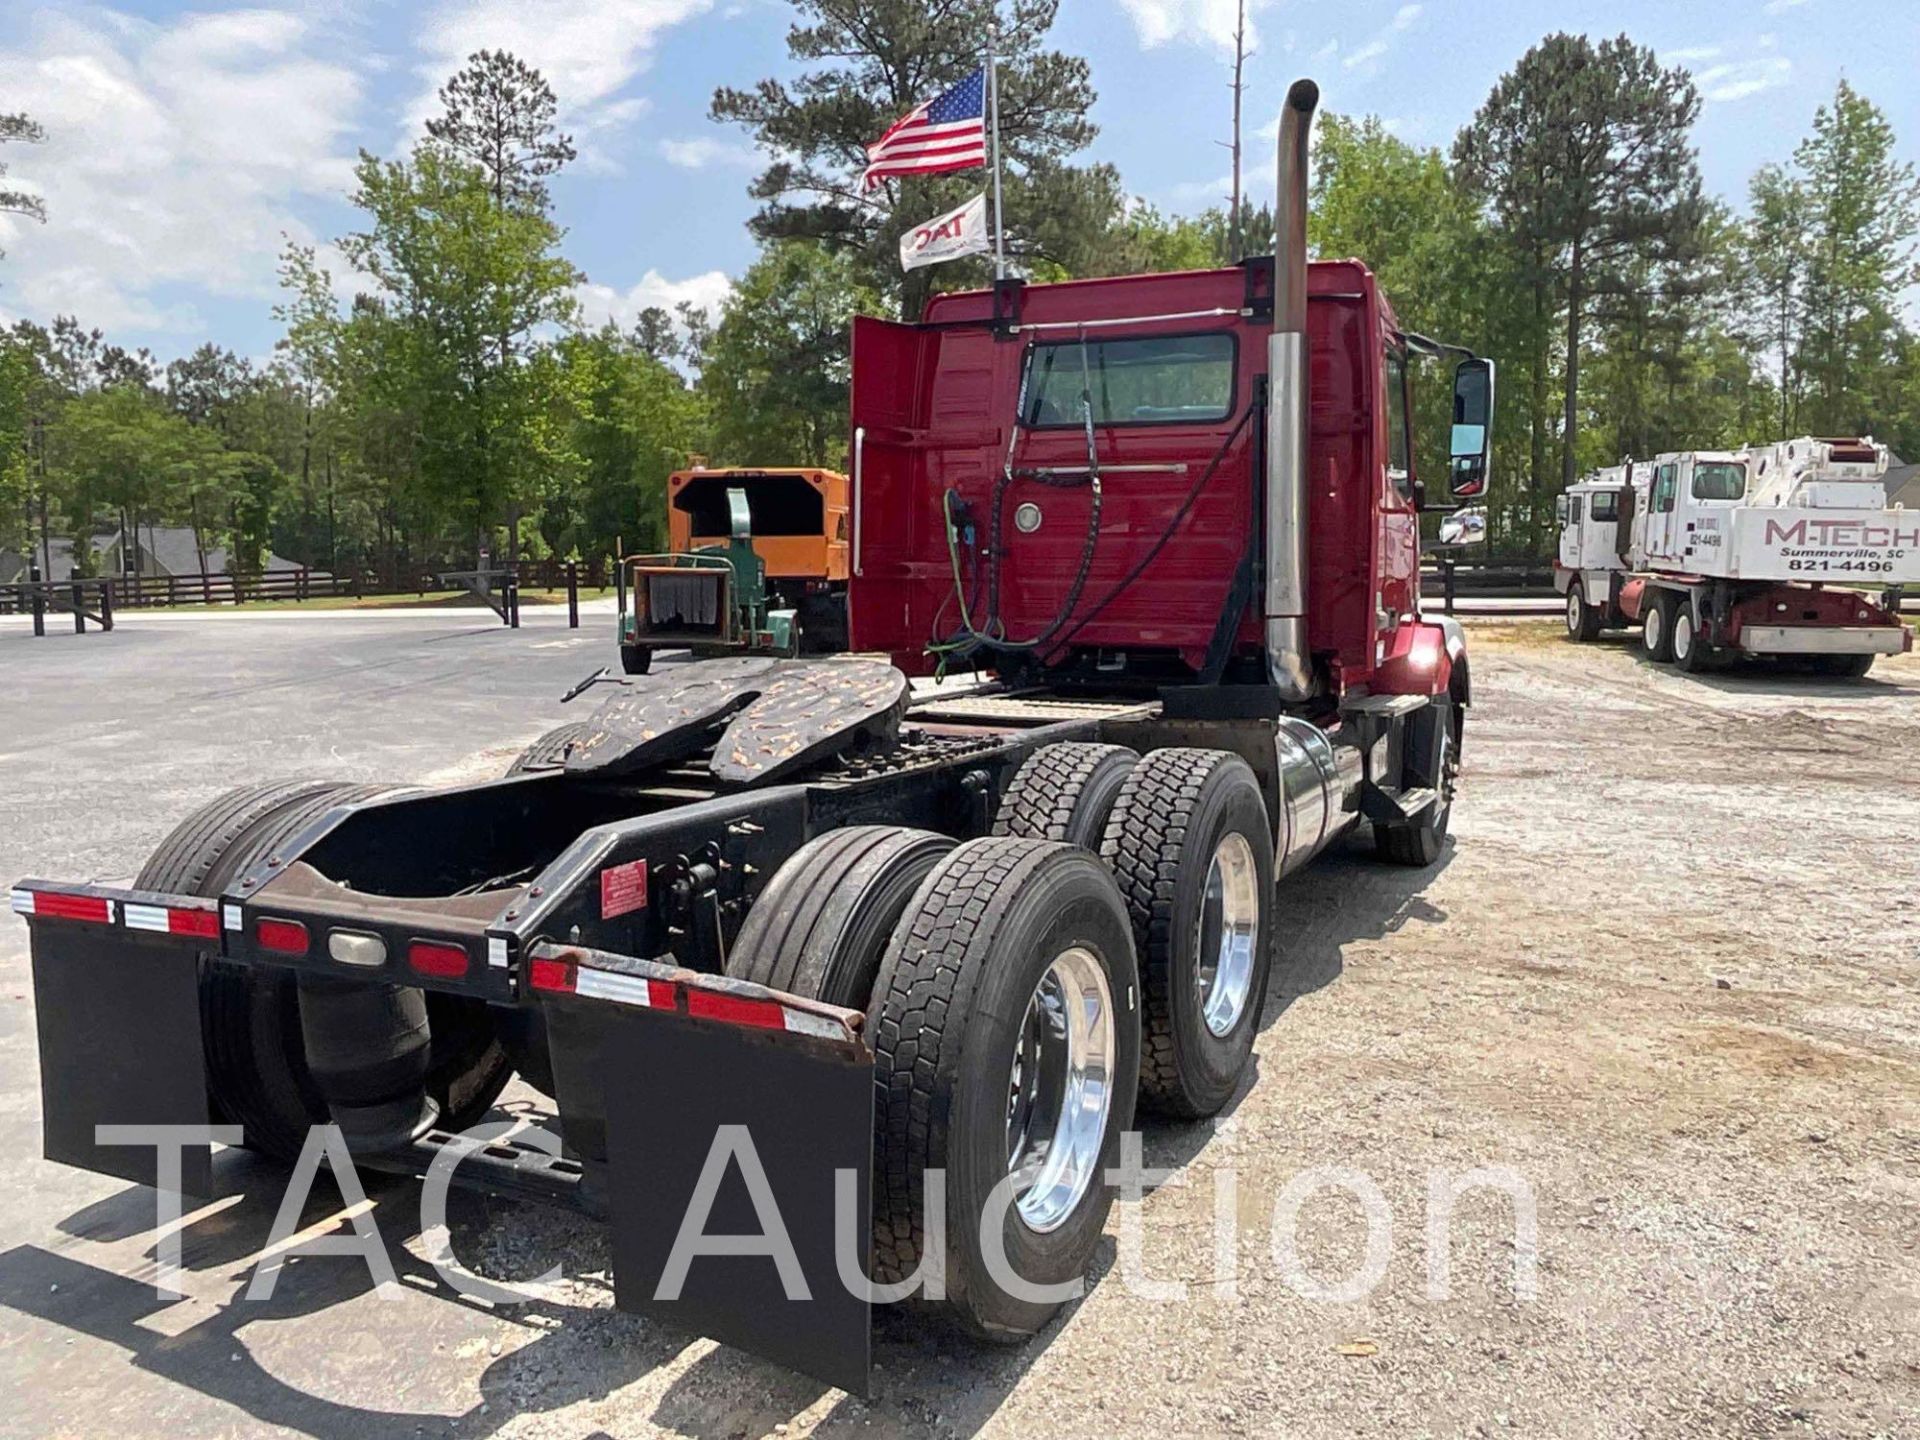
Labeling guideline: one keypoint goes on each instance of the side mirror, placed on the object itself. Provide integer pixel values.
(1472, 428)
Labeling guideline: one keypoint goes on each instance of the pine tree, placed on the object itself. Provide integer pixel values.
(19, 129)
(1583, 156)
(499, 114)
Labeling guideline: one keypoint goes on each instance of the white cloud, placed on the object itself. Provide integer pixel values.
(1738, 79)
(600, 303)
(1780, 7)
(1689, 54)
(1403, 19)
(1196, 22)
(1327, 51)
(175, 153)
(704, 152)
(588, 50)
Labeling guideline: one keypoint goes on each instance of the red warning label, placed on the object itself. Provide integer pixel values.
(623, 889)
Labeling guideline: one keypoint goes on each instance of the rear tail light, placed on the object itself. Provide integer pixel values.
(283, 937)
(430, 957)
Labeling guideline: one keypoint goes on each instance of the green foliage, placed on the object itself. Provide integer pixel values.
(777, 367)
(1583, 158)
(471, 287)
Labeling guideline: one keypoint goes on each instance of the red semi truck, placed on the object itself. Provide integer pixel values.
(786, 940)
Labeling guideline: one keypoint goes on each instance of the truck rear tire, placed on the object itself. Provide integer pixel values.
(636, 659)
(1191, 845)
(549, 752)
(1065, 792)
(1006, 1037)
(250, 1018)
(1656, 627)
(821, 925)
(1689, 650)
(1583, 620)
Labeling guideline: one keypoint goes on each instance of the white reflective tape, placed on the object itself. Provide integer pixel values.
(111, 906)
(230, 917)
(802, 1023)
(606, 985)
(21, 902)
(497, 952)
(147, 917)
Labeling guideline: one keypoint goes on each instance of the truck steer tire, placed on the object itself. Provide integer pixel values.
(549, 752)
(1656, 628)
(1850, 667)
(636, 659)
(1065, 792)
(1006, 1036)
(1583, 620)
(1191, 845)
(1690, 652)
(250, 1018)
(1419, 845)
(822, 923)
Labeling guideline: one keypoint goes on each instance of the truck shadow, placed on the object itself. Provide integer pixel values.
(569, 1347)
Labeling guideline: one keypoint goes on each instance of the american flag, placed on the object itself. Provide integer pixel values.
(944, 134)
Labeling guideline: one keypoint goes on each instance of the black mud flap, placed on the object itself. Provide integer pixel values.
(119, 1023)
(772, 1118)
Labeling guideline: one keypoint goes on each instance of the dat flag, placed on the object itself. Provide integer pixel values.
(947, 237)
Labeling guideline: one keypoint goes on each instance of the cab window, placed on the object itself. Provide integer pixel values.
(1719, 480)
(1606, 505)
(1394, 397)
(1158, 380)
(1663, 488)
(1573, 509)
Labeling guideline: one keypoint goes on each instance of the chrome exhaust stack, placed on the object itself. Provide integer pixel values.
(1288, 665)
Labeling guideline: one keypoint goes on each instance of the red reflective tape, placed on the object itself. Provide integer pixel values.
(429, 957)
(713, 1005)
(283, 937)
(201, 924)
(46, 904)
(554, 975)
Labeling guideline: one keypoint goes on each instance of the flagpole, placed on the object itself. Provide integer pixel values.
(993, 105)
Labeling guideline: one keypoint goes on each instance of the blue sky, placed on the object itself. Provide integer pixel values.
(187, 139)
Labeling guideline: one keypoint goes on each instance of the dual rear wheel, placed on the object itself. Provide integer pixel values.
(1023, 992)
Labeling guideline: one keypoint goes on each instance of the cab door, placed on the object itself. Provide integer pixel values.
(1662, 523)
(888, 465)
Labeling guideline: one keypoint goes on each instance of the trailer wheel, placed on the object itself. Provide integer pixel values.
(822, 923)
(1583, 620)
(1006, 1036)
(636, 659)
(250, 1018)
(1689, 650)
(1065, 792)
(1191, 845)
(549, 752)
(1656, 627)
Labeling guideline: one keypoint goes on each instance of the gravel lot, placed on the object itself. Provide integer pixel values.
(1666, 977)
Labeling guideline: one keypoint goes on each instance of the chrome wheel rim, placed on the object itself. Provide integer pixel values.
(1059, 1089)
(1650, 628)
(1573, 612)
(1224, 936)
(1682, 636)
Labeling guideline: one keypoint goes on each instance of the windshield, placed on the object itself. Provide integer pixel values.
(1719, 480)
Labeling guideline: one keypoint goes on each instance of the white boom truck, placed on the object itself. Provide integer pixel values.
(1781, 550)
